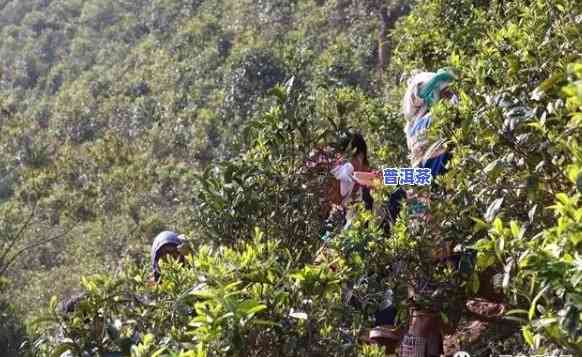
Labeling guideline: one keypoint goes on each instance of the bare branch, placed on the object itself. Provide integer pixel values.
(10, 261)
(18, 236)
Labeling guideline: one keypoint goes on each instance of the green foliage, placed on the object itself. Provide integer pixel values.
(225, 301)
(515, 147)
(550, 264)
(12, 331)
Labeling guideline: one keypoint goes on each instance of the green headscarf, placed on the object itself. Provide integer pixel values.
(427, 93)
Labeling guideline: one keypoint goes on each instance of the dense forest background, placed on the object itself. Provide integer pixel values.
(123, 118)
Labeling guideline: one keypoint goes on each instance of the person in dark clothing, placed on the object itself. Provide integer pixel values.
(166, 244)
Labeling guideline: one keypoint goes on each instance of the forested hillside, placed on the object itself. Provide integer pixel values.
(120, 119)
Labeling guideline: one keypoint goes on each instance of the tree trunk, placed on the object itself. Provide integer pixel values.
(387, 21)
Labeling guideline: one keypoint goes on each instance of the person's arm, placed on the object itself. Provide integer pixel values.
(368, 179)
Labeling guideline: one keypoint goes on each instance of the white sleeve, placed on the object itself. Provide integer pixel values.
(343, 173)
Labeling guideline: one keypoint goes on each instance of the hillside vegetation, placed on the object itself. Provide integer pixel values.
(121, 119)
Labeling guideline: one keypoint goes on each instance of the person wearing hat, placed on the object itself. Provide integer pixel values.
(167, 244)
(424, 337)
(425, 89)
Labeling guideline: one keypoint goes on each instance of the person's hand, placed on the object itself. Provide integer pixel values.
(185, 248)
(367, 179)
(151, 283)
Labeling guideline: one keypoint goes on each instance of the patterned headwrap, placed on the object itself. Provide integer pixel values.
(434, 85)
(162, 239)
(423, 91)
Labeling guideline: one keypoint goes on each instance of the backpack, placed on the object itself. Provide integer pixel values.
(318, 166)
